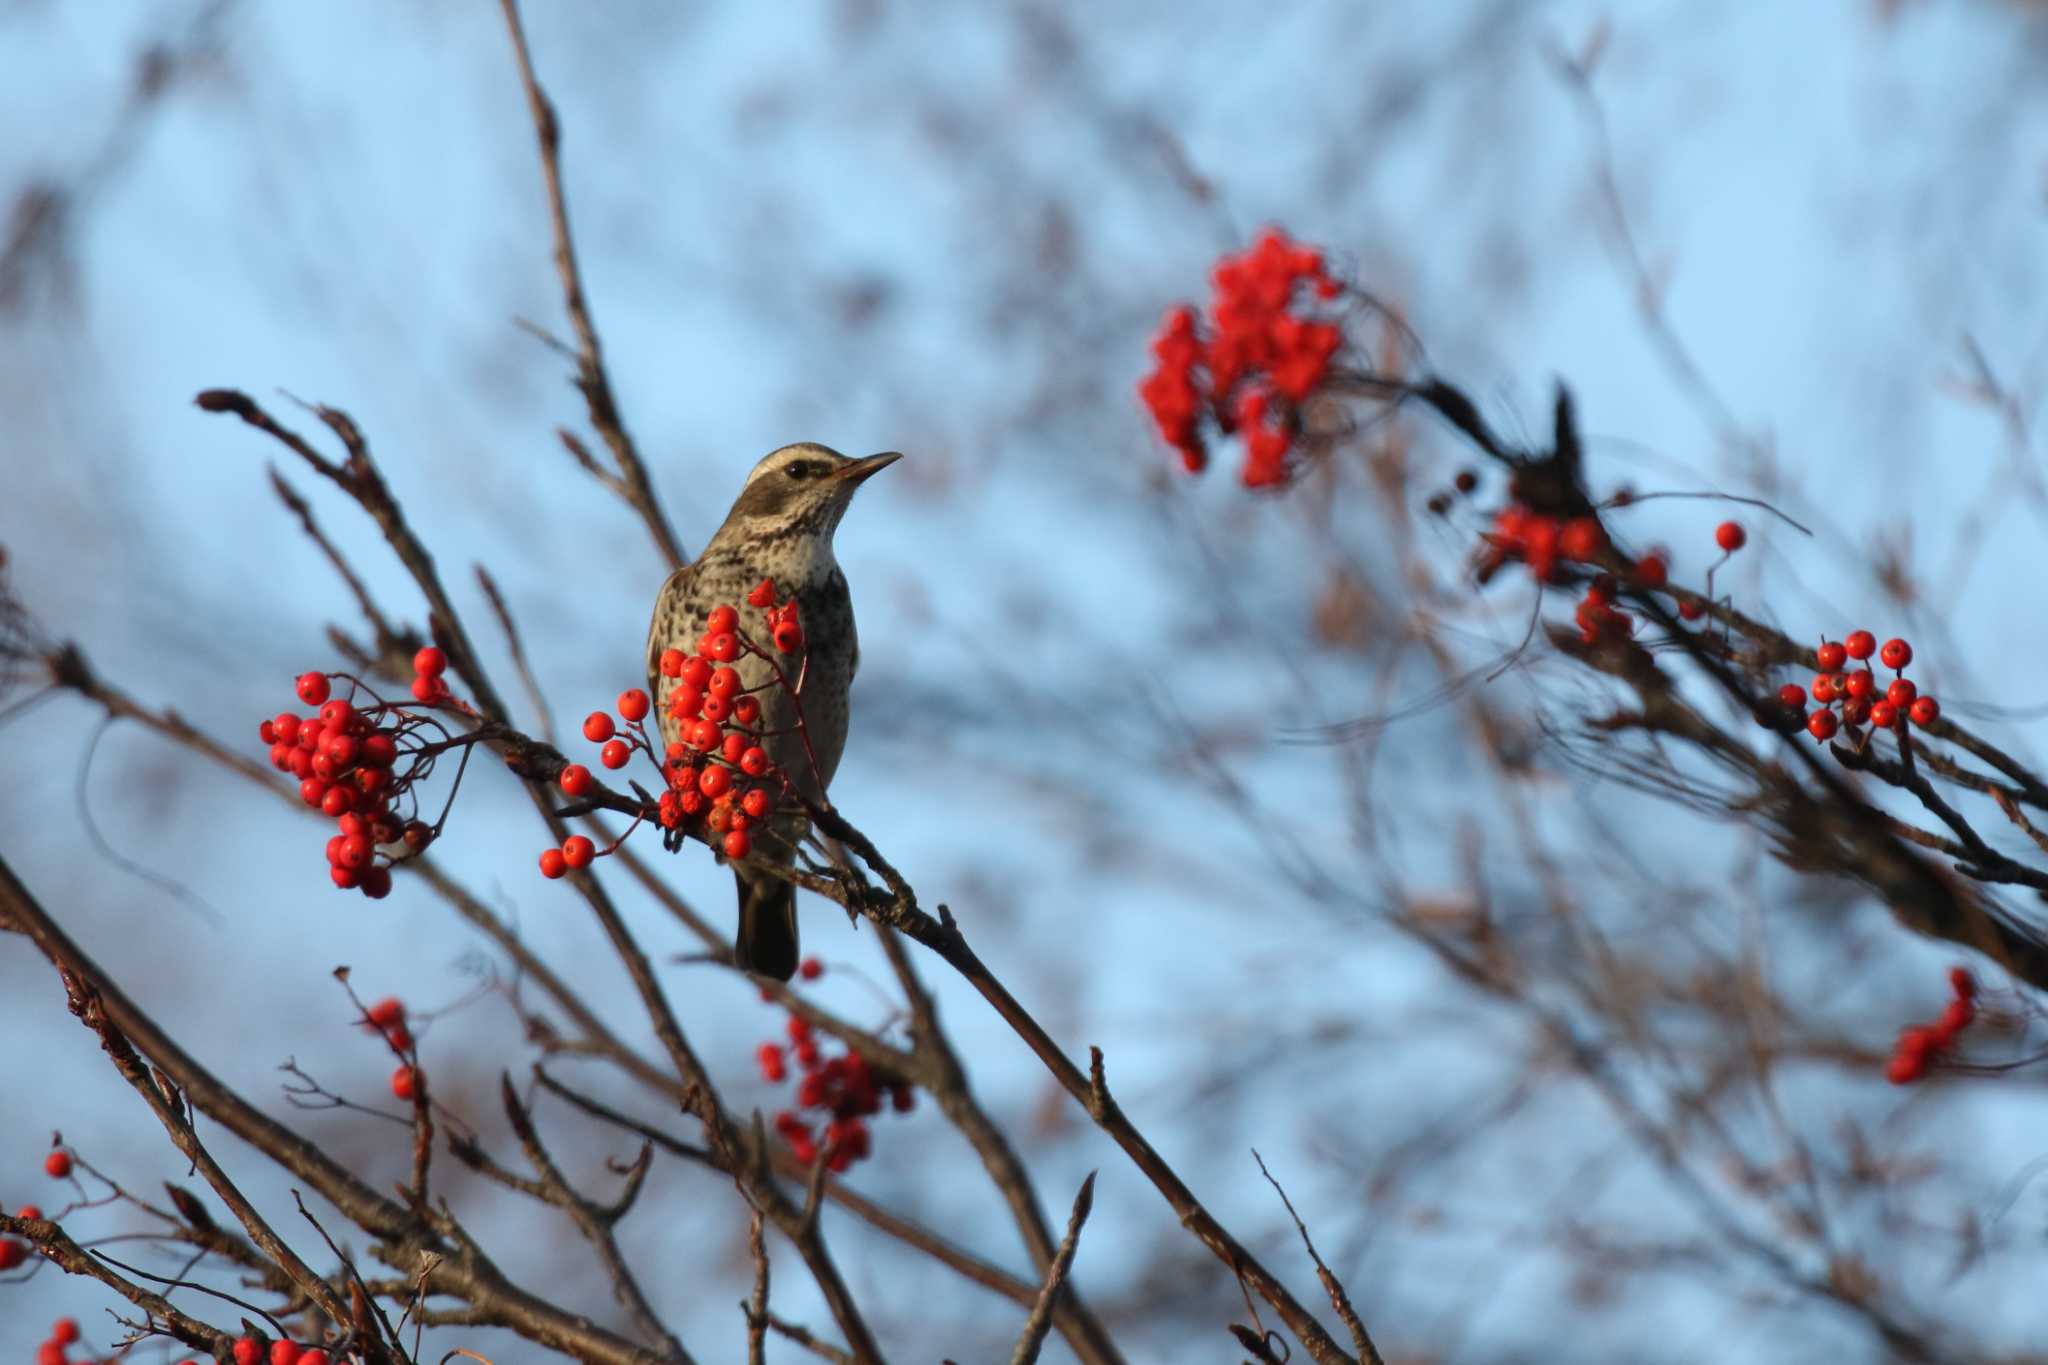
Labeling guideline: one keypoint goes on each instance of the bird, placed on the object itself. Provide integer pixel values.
(779, 529)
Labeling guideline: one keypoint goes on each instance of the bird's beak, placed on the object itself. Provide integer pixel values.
(856, 471)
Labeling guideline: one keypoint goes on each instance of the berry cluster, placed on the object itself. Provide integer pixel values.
(1850, 698)
(1919, 1046)
(834, 1098)
(64, 1334)
(1253, 365)
(717, 780)
(359, 764)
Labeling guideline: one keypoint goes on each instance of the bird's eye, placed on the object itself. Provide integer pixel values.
(800, 469)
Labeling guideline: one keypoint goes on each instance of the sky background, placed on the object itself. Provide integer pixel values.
(950, 231)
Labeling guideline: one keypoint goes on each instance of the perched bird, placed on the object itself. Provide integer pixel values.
(780, 528)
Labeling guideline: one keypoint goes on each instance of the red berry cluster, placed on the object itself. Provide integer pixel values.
(1254, 364)
(388, 1017)
(360, 764)
(64, 1334)
(1850, 698)
(717, 780)
(1920, 1045)
(1545, 543)
(251, 1351)
(835, 1097)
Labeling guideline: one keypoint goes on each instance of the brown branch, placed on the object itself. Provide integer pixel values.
(1361, 1340)
(591, 377)
(593, 1222)
(1040, 1322)
(402, 1240)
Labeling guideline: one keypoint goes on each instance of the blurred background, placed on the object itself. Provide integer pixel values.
(1793, 252)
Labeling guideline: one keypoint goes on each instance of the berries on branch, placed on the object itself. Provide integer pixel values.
(1251, 363)
(359, 759)
(1923, 1044)
(1851, 698)
(717, 783)
(835, 1095)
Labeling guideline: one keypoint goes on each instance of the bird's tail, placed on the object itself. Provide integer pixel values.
(766, 944)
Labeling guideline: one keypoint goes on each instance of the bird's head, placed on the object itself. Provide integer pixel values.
(800, 490)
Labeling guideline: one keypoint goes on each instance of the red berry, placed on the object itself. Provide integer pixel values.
(337, 716)
(799, 1028)
(552, 864)
(1730, 536)
(696, 672)
(1824, 687)
(1792, 695)
(1822, 725)
(287, 727)
(704, 734)
(12, 1254)
(633, 704)
(345, 878)
(732, 746)
(737, 844)
(386, 1012)
(598, 727)
(1961, 1012)
(577, 851)
(717, 709)
(64, 1331)
(763, 594)
(724, 647)
(754, 761)
(1858, 685)
(418, 834)
(284, 1353)
(57, 1164)
(1926, 711)
(355, 851)
(1962, 983)
(756, 802)
(1896, 654)
(404, 1083)
(28, 1211)
(430, 662)
(615, 753)
(267, 732)
(773, 1068)
(811, 969)
(789, 637)
(721, 620)
(1690, 610)
(1582, 539)
(1832, 656)
(1901, 692)
(248, 1351)
(1856, 712)
(313, 688)
(672, 663)
(902, 1098)
(1905, 1068)
(1861, 644)
(575, 779)
(338, 801)
(685, 701)
(714, 781)
(1884, 715)
(746, 710)
(428, 690)
(724, 682)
